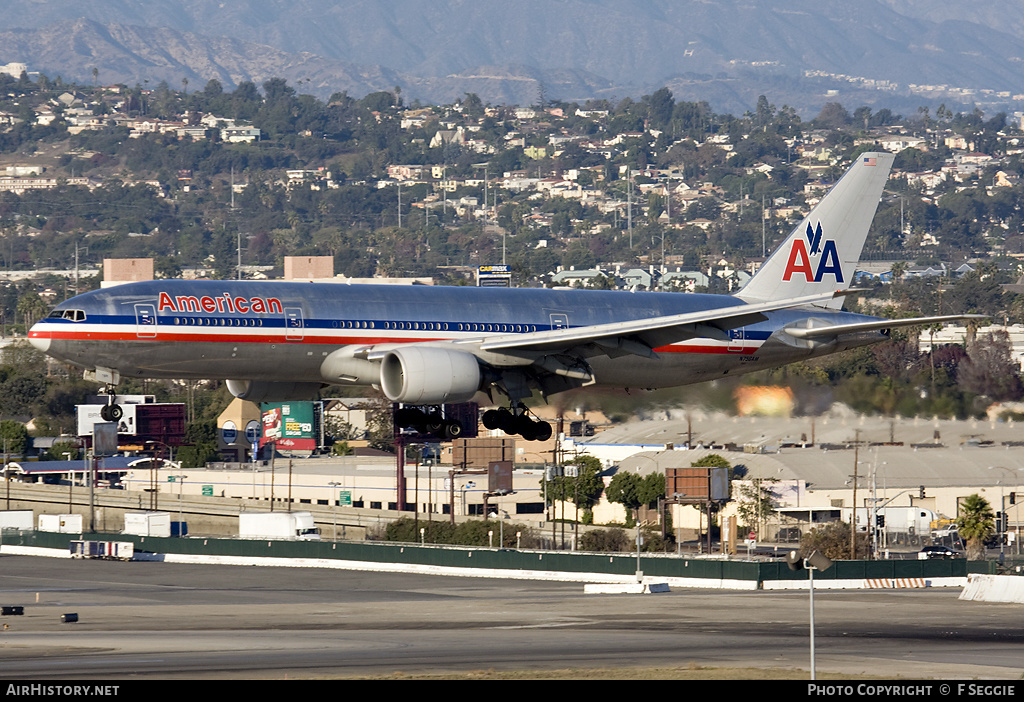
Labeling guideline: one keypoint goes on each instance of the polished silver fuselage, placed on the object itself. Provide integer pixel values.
(318, 332)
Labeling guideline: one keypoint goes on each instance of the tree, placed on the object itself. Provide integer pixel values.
(989, 369)
(31, 308)
(605, 540)
(756, 502)
(624, 489)
(57, 451)
(379, 425)
(14, 436)
(200, 444)
(587, 486)
(712, 460)
(633, 491)
(833, 541)
(583, 490)
(832, 116)
(975, 522)
(661, 106)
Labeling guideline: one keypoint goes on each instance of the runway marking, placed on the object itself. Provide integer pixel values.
(887, 583)
(548, 625)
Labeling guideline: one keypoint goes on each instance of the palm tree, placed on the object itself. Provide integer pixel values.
(32, 308)
(975, 524)
(897, 271)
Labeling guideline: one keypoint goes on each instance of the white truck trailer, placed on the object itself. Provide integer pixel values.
(147, 523)
(61, 523)
(16, 519)
(909, 520)
(277, 525)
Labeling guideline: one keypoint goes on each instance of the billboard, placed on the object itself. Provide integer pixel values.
(290, 424)
(494, 276)
(699, 484)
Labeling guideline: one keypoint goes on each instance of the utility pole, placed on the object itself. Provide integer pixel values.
(629, 205)
(763, 239)
(853, 513)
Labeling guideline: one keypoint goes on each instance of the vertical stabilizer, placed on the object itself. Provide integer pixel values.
(822, 252)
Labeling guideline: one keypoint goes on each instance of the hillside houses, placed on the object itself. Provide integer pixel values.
(607, 182)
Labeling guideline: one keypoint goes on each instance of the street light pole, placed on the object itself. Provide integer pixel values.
(1004, 522)
(816, 561)
(853, 513)
(334, 511)
(181, 512)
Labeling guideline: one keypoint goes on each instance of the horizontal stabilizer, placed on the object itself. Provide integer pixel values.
(834, 330)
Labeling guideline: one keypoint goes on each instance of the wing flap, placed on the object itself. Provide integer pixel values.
(642, 336)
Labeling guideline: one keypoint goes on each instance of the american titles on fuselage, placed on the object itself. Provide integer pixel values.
(223, 304)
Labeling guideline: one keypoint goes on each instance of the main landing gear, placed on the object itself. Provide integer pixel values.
(516, 421)
(111, 412)
(428, 421)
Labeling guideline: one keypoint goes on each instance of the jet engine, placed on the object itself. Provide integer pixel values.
(425, 375)
(263, 391)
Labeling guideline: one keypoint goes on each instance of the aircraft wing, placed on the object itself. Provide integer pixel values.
(834, 330)
(640, 336)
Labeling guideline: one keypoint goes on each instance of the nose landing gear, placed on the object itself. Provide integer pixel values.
(111, 413)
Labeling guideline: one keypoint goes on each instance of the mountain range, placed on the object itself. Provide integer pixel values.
(800, 53)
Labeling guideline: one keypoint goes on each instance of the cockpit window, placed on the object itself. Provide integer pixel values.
(72, 315)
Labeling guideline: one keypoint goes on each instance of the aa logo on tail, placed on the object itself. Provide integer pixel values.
(801, 258)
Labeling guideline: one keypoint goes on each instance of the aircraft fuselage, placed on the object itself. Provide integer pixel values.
(309, 332)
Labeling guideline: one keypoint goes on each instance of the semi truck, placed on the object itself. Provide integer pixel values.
(911, 520)
(897, 525)
(277, 525)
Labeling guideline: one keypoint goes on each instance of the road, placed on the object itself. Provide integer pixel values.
(174, 621)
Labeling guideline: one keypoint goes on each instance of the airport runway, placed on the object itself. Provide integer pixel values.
(149, 620)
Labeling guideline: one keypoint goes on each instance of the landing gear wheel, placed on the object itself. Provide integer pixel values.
(542, 431)
(409, 416)
(111, 413)
(452, 430)
(492, 419)
(435, 423)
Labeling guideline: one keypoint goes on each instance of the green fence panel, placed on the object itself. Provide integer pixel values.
(621, 564)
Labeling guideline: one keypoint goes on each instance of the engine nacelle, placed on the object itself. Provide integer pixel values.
(262, 391)
(425, 375)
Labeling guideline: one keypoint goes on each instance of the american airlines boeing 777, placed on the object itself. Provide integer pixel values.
(424, 346)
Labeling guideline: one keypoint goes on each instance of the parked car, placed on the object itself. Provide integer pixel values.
(788, 535)
(939, 552)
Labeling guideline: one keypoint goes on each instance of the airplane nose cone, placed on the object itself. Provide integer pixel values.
(40, 342)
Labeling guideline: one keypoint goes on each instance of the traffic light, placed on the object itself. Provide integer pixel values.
(1013, 498)
(921, 494)
(880, 521)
